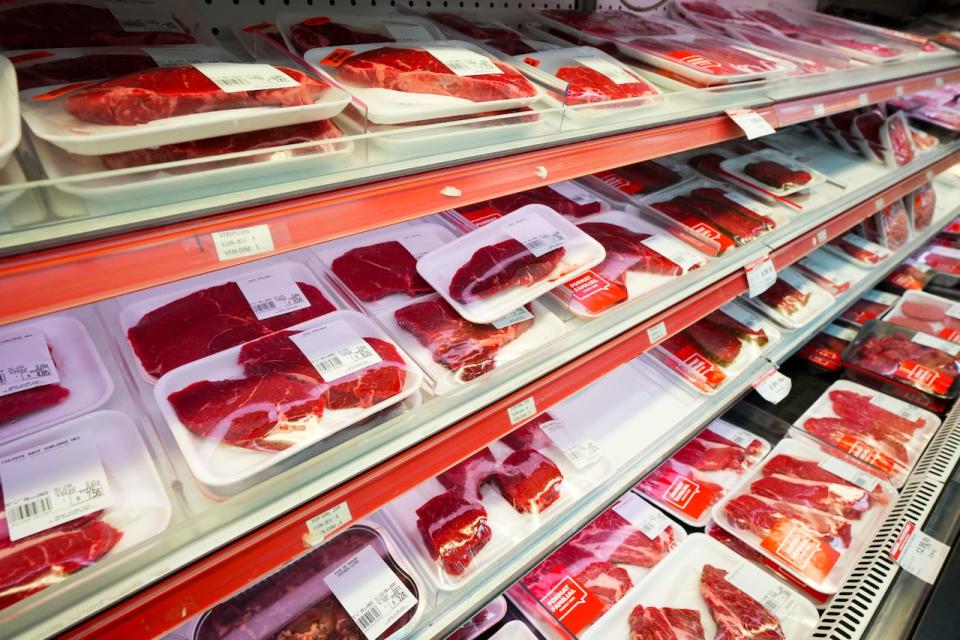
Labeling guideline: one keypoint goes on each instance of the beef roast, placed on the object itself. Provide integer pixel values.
(154, 94)
(625, 251)
(586, 85)
(454, 530)
(665, 623)
(315, 33)
(776, 175)
(529, 480)
(498, 267)
(88, 66)
(467, 476)
(738, 616)
(418, 71)
(378, 270)
(530, 434)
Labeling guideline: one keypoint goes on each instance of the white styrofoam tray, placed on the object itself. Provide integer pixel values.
(736, 166)
(819, 300)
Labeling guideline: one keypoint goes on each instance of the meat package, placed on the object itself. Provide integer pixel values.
(409, 82)
(889, 227)
(600, 27)
(492, 34)
(886, 433)
(640, 258)
(911, 275)
(896, 137)
(51, 370)
(178, 323)
(239, 414)
(705, 590)
(810, 509)
(379, 268)
(9, 113)
(304, 30)
(569, 198)
(830, 272)
(927, 313)
(484, 620)
(825, 350)
(122, 503)
(717, 348)
(492, 271)
(356, 585)
(576, 585)
(478, 511)
(642, 178)
(700, 473)
(921, 205)
(772, 174)
(167, 105)
(793, 300)
(870, 306)
(943, 261)
(854, 248)
(902, 361)
(452, 350)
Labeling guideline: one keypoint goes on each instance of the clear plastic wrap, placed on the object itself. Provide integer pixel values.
(9, 113)
(694, 478)
(943, 261)
(569, 198)
(599, 27)
(772, 174)
(793, 300)
(492, 34)
(855, 248)
(870, 306)
(896, 138)
(921, 205)
(911, 275)
(642, 178)
(927, 313)
(886, 433)
(830, 272)
(482, 621)
(890, 226)
(306, 30)
(825, 350)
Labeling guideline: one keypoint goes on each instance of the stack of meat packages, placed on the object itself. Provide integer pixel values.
(942, 257)
(937, 107)
(869, 132)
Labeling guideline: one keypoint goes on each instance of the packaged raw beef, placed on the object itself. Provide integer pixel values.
(511, 261)
(825, 350)
(119, 504)
(705, 590)
(911, 275)
(567, 198)
(923, 141)
(642, 178)
(793, 300)
(50, 370)
(866, 133)
(191, 319)
(870, 306)
(889, 227)
(898, 360)
(895, 136)
(717, 348)
(828, 271)
(927, 313)
(921, 205)
(944, 116)
(809, 508)
(576, 585)
(879, 430)
(855, 248)
(304, 30)
(238, 414)
(699, 474)
(57, 24)
(599, 27)
(808, 58)
(482, 621)
(491, 34)
(398, 83)
(943, 261)
(327, 588)
(640, 258)
(772, 174)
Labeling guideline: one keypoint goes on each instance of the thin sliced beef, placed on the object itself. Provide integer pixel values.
(316, 33)
(776, 175)
(454, 530)
(539, 195)
(715, 341)
(884, 354)
(379, 270)
(838, 432)
(613, 539)
(586, 85)
(529, 480)
(706, 456)
(466, 477)
(685, 211)
(625, 251)
(498, 267)
(784, 297)
(719, 196)
(785, 465)
(859, 408)
(738, 616)
(738, 226)
(760, 516)
(21, 403)
(737, 328)
(838, 499)
(665, 623)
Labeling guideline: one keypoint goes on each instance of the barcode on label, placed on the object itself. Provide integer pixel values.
(368, 617)
(265, 306)
(29, 510)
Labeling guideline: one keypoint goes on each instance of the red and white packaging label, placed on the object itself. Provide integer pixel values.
(536, 234)
(613, 71)
(924, 377)
(574, 606)
(464, 62)
(482, 215)
(751, 122)
(801, 548)
(270, 295)
(642, 515)
(335, 350)
(865, 453)
(25, 363)
(687, 495)
(761, 275)
(595, 292)
(919, 554)
(674, 251)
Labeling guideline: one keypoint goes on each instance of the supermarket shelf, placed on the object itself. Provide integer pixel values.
(167, 603)
(45, 281)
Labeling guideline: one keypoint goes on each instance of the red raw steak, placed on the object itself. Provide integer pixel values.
(784, 465)
(253, 412)
(776, 175)
(454, 529)
(529, 480)
(626, 252)
(711, 457)
(684, 210)
(21, 403)
(208, 321)
(586, 85)
(883, 355)
(468, 476)
(840, 432)
(530, 434)
(641, 177)
(719, 196)
(715, 341)
(233, 143)
(612, 539)
(858, 408)
(738, 616)
(90, 66)
(603, 580)
(706, 163)
(154, 94)
(707, 54)
(315, 33)
(729, 220)
(784, 297)
(417, 71)
(837, 499)
(379, 270)
(540, 195)
(760, 516)
(277, 354)
(737, 328)
(466, 348)
(498, 267)
(665, 623)
(610, 23)
(73, 24)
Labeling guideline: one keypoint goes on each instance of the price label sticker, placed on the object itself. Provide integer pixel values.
(371, 592)
(524, 409)
(899, 90)
(896, 407)
(863, 99)
(613, 71)
(405, 32)
(773, 386)
(642, 515)
(938, 81)
(240, 243)
(270, 295)
(464, 62)
(839, 468)
(751, 122)
(918, 553)
(178, 56)
(657, 332)
(675, 251)
(321, 526)
(536, 234)
(736, 435)
(819, 110)
(573, 191)
(936, 343)
(820, 238)
(53, 483)
(579, 450)
(137, 16)
(335, 350)
(419, 244)
(337, 57)
(778, 599)
(761, 275)
(519, 314)
(25, 363)
(234, 77)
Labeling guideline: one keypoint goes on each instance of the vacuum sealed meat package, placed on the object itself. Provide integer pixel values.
(828, 271)
(890, 226)
(568, 198)
(772, 174)
(643, 178)
(927, 313)
(825, 350)
(921, 205)
(598, 27)
(870, 306)
(855, 248)
(793, 300)
(944, 262)
(911, 275)
(700, 473)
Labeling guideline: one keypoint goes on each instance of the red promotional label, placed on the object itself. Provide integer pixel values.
(924, 377)
(949, 334)
(595, 292)
(33, 55)
(62, 91)
(480, 214)
(801, 548)
(688, 496)
(901, 543)
(533, 62)
(336, 57)
(866, 453)
(829, 360)
(258, 27)
(573, 605)
(708, 232)
(694, 366)
(904, 280)
(615, 180)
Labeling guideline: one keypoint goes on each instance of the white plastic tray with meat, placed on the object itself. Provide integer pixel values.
(793, 301)
(306, 30)
(830, 272)
(854, 248)
(772, 174)
(927, 313)
(9, 111)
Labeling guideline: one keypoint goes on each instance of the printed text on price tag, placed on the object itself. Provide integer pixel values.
(761, 275)
(751, 122)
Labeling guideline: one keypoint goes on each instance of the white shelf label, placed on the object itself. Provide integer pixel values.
(580, 451)
(464, 62)
(178, 56)
(936, 343)
(863, 99)
(25, 363)
(53, 483)
(572, 191)
(418, 244)
(270, 295)
(657, 332)
(642, 515)
(239, 243)
(773, 386)
(780, 600)
(519, 314)
(536, 234)
(137, 16)
(760, 275)
(844, 333)
(524, 409)
(613, 71)
(751, 122)
(402, 32)
(335, 350)
(234, 77)
(819, 110)
(736, 435)
(954, 311)
(321, 526)
(919, 554)
(850, 473)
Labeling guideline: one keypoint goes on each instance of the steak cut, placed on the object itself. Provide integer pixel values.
(784, 297)
(207, 321)
(547, 196)
(466, 348)
(20, 403)
(454, 530)
(720, 197)
(498, 267)
(586, 85)
(613, 539)
(641, 177)
(859, 409)
(856, 251)
(530, 434)
(718, 344)
(468, 476)
(729, 220)
(883, 355)
(684, 210)
(154, 94)
(59, 25)
(776, 175)
(88, 66)
(316, 33)
(760, 516)
(529, 480)
(738, 616)
(233, 143)
(785, 465)
(737, 328)
(278, 354)
(379, 270)
(840, 433)
(418, 71)
(665, 623)
(706, 456)
(706, 54)
(838, 499)
(626, 251)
